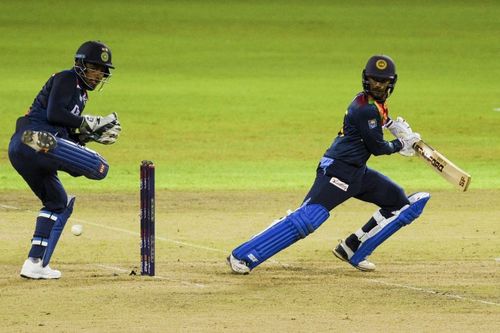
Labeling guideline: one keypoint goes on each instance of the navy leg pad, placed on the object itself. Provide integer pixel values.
(79, 160)
(281, 234)
(405, 217)
(56, 231)
(44, 223)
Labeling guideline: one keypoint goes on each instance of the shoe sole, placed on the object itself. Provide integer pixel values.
(338, 255)
(228, 261)
(45, 141)
(34, 277)
(38, 277)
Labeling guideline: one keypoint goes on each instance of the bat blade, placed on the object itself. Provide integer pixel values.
(443, 166)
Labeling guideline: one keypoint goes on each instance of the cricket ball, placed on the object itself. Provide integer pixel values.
(77, 229)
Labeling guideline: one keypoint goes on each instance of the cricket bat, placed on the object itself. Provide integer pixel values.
(443, 166)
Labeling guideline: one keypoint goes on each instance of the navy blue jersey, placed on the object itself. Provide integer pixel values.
(361, 135)
(58, 106)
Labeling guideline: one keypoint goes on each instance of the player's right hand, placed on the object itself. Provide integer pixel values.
(409, 140)
(98, 124)
(407, 152)
(108, 137)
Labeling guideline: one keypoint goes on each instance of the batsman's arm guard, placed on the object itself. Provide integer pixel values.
(386, 227)
(281, 234)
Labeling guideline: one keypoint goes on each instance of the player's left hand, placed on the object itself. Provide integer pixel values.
(399, 127)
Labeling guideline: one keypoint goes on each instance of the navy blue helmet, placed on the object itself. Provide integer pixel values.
(93, 63)
(381, 69)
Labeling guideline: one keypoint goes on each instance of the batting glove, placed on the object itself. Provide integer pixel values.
(399, 127)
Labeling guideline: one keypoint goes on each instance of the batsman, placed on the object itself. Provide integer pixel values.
(51, 137)
(342, 173)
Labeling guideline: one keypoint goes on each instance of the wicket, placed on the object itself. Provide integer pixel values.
(147, 218)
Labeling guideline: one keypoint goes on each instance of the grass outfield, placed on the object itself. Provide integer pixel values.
(233, 95)
(236, 101)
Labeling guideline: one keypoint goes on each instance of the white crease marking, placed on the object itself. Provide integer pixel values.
(159, 277)
(432, 292)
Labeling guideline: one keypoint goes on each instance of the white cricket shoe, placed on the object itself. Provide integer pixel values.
(39, 141)
(237, 266)
(34, 270)
(344, 253)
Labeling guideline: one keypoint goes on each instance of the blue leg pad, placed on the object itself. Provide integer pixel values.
(281, 234)
(78, 160)
(56, 231)
(405, 217)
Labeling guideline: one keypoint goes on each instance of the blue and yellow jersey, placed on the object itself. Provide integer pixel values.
(361, 134)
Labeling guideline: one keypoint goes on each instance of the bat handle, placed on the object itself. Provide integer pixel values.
(419, 142)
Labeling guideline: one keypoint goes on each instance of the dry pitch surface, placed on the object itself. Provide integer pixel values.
(439, 275)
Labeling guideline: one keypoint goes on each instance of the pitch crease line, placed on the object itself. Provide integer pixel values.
(167, 240)
(157, 237)
(432, 292)
(159, 277)
(9, 207)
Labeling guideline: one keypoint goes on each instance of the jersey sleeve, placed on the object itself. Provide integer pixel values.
(58, 107)
(369, 125)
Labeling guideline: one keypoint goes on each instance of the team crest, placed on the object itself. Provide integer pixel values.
(104, 56)
(372, 123)
(381, 64)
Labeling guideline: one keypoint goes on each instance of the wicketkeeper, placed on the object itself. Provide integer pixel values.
(51, 138)
(342, 174)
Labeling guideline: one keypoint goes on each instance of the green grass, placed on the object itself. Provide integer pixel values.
(248, 95)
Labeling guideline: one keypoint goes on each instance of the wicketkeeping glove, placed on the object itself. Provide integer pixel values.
(110, 136)
(98, 124)
(107, 137)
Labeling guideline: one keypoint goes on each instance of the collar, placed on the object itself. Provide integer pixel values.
(382, 108)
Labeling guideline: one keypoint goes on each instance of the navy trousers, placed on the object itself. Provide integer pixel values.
(337, 181)
(40, 173)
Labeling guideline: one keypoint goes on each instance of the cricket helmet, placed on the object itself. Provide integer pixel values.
(379, 68)
(96, 53)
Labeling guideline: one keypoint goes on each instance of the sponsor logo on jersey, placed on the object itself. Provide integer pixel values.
(340, 184)
(76, 110)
